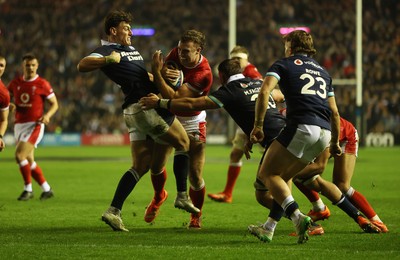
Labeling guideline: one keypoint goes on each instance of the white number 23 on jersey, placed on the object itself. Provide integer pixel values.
(307, 88)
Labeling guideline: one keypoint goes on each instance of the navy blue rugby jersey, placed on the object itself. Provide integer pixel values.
(238, 97)
(130, 73)
(306, 86)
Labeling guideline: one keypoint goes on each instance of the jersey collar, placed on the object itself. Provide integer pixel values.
(235, 77)
(107, 43)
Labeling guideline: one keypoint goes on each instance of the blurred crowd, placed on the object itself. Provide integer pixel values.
(61, 32)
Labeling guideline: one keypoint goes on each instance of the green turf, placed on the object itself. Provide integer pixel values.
(84, 179)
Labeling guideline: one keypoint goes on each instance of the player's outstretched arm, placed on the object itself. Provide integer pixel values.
(90, 63)
(178, 104)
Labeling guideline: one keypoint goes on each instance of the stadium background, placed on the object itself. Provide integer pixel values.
(61, 32)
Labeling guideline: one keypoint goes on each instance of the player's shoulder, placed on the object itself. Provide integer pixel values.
(15, 81)
(3, 91)
(42, 82)
(205, 63)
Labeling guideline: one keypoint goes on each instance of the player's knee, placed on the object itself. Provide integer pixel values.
(236, 155)
(319, 167)
(196, 182)
(183, 144)
(19, 157)
(343, 186)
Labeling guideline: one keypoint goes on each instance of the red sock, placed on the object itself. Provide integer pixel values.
(37, 174)
(233, 174)
(197, 197)
(362, 204)
(158, 181)
(311, 195)
(25, 170)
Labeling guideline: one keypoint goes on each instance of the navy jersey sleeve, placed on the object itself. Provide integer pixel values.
(222, 97)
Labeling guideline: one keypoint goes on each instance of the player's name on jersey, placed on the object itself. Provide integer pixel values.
(314, 72)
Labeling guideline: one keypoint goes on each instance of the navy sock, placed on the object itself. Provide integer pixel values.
(276, 211)
(291, 208)
(125, 186)
(181, 170)
(345, 205)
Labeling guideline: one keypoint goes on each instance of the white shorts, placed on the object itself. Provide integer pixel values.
(195, 126)
(31, 132)
(305, 142)
(142, 123)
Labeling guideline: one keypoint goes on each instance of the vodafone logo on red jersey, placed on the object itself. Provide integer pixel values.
(25, 97)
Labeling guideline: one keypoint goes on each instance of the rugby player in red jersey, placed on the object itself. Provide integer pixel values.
(30, 91)
(343, 171)
(197, 82)
(4, 104)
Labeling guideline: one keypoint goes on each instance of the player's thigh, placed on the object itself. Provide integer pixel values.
(279, 161)
(23, 150)
(176, 136)
(160, 157)
(141, 152)
(316, 167)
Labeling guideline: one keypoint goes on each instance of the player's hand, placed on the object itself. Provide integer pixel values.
(114, 57)
(248, 149)
(12, 107)
(45, 119)
(256, 135)
(158, 61)
(2, 144)
(170, 74)
(149, 102)
(335, 150)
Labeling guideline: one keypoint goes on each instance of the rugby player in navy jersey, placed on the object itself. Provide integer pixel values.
(239, 141)
(151, 132)
(237, 96)
(312, 124)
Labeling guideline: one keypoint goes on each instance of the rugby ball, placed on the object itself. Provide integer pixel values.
(178, 81)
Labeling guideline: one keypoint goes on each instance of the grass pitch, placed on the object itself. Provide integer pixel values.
(84, 179)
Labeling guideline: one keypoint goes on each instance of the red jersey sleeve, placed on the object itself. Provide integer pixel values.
(251, 71)
(4, 97)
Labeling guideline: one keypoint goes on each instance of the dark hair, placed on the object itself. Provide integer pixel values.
(114, 18)
(194, 36)
(301, 42)
(230, 67)
(29, 56)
